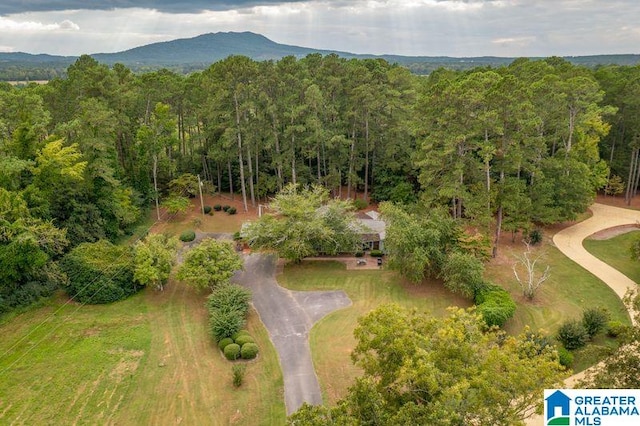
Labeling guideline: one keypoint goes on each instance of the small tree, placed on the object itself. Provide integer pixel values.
(153, 259)
(531, 281)
(209, 264)
(595, 320)
(176, 204)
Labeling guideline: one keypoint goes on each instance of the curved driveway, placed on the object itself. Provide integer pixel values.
(569, 242)
(288, 316)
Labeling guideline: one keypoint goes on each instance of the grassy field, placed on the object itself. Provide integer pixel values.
(145, 360)
(615, 252)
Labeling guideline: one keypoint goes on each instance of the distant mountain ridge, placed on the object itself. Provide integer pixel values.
(197, 53)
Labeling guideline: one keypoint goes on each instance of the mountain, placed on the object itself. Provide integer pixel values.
(197, 53)
(206, 49)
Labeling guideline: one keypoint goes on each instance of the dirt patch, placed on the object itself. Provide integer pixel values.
(606, 234)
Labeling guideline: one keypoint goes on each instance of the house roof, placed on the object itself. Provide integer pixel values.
(372, 224)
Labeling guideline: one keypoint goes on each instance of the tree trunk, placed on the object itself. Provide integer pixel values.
(251, 188)
(230, 179)
(366, 159)
(243, 185)
(276, 138)
(352, 150)
(155, 183)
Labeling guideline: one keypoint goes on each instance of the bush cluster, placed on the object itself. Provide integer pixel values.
(217, 207)
(226, 208)
(207, 209)
(188, 236)
(242, 339)
(228, 306)
(376, 253)
(495, 305)
(232, 210)
(574, 334)
(565, 358)
(99, 272)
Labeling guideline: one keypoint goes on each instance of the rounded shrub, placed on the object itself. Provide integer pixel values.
(232, 352)
(249, 350)
(595, 320)
(217, 207)
(224, 343)
(565, 358)
(188, 236)
(495, 305)
(359, 254)
(572, 334)
(237, 236)
(207, 209)
(615, 328)
(244, 338)
(226, 208)
(232, 210)
(239, 333)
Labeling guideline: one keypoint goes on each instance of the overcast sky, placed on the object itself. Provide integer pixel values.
(407, 27)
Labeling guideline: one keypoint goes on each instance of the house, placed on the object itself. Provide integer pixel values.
(372, 230)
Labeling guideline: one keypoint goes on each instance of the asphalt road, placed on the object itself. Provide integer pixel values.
(288, 316)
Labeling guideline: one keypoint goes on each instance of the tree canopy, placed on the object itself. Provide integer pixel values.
(209, 264)
(418, 369)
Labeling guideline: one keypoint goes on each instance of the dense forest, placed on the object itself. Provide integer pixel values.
(506, 148)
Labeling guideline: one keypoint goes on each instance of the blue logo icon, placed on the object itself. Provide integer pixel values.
(557, 408)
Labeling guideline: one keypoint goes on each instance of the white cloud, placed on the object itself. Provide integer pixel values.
(7, 24)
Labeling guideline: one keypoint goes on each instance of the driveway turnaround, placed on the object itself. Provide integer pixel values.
(288, 316)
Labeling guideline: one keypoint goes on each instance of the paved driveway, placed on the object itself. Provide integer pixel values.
(288, 317)
(569, 242)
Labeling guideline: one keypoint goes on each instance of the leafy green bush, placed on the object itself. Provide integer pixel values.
(232, 352)
(237, 236)
(207, 209)
(359, 254)
(360, 204)
(226, 208)
(217, 207)
(249, 350)
(495, 305)
(595, 320)
(244, 338)
(242, 332)
(565, 358)
(224, 342)
(224, 323)
(229, 297)
(572, 334)
(188, 236)
(534, 237)
(376, 253)
(99, 272)
(232, 210)
(238, 370)
(615, 328)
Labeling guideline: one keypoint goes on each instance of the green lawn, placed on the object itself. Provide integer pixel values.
(144, 360)
(565, 295)
(615, 252)
(332, 339)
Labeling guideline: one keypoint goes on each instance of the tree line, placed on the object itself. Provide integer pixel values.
(82, 157)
